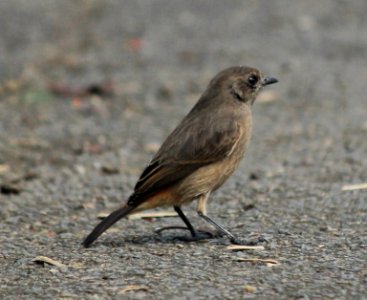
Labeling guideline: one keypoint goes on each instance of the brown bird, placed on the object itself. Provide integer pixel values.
(200, 154)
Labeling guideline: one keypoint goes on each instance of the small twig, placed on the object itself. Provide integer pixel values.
(353, 187)
(50, 261)
(244, 247)
(269, 262)
(145, 215)
(133, 287)
(149, 215)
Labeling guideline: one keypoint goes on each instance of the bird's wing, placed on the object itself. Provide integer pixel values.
(189, 147)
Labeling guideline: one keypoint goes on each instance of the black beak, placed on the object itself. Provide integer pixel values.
(269, 80)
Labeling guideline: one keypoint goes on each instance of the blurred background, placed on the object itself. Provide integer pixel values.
(90, 89)
(152, 56)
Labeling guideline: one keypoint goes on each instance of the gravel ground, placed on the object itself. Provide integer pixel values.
(89, 90)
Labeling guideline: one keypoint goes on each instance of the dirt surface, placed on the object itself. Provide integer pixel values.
(89, 90)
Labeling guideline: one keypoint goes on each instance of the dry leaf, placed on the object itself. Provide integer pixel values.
(353, 187)
(90, 204)
(133, 287)
(12, 85)
(249, 288)
(108, 170)
(244, 247)
(50, 261)
(135, 44)
(4, 168)
(102, 215)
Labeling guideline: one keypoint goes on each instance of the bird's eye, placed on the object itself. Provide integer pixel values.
(252, 80)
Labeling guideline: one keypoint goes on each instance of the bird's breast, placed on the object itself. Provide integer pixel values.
(210, 177)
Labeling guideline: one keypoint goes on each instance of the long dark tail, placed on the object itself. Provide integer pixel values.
(107, 223)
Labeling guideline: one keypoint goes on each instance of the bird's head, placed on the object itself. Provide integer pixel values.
(241, 83)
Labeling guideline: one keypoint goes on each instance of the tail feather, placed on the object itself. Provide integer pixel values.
(107, 223)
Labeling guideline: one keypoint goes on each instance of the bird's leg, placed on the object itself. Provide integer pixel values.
(185, 220)
(201, 210)
(195, 234)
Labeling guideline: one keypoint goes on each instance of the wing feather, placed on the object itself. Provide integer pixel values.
(189, 147)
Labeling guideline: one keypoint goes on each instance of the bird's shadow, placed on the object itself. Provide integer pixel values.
(157, 238)
(171, 237)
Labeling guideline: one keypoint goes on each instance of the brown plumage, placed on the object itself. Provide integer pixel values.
(201, 153)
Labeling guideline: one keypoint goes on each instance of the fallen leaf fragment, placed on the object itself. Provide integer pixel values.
(133, 287)
(90, 204)
(244, 247)
(102, 215)
(12, 85)
(108, 170)
(249, 288)
(4, 168)
(77, 102)
(50, 261)
(353, 187)
(134, 45)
